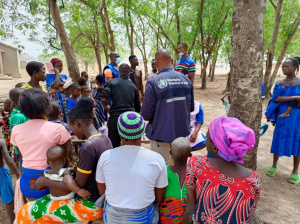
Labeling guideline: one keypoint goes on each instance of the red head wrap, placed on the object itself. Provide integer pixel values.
(55, 60)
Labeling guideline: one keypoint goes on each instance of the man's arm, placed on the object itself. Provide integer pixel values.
(106, 93)
(137, 102)
(192, 77)
(149, 103)
(141, 84)
(9, 162)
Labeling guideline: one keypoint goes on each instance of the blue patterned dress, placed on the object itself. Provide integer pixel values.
(286, 139)
(101, 113)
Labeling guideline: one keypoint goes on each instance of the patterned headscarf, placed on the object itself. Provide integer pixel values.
(55, 60)
(232, 138)
(131, 125)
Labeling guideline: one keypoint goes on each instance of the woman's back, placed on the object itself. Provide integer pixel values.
(221, 198)
(34, 138)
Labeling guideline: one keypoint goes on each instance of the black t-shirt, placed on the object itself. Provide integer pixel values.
(89, 155)
(124, 96)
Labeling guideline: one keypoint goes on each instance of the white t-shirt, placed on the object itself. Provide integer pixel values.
(130, 174)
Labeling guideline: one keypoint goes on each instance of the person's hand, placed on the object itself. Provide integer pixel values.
(193, 137)
(2, 112)
(40, 183)
(56, 71)
(84, 194)
(107, 109)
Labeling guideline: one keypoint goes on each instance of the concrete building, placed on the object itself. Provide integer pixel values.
(9, 61)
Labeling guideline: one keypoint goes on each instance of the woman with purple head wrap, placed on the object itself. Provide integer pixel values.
(220, 189)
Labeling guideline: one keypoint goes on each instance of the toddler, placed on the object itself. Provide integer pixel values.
(57, 159)
(226, 103)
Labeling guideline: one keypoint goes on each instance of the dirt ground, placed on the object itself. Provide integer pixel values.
(279, 202)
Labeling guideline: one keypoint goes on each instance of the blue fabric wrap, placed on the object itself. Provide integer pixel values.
(27, 182)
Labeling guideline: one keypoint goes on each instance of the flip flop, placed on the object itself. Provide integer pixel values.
(271, 172)
(294, 179)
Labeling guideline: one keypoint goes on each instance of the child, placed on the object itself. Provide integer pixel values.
(82, 81)
(75, 90)
(292, 104)
(85, 91)
(5, 122)
(57, 159)
(197, 138)
(101, 113)
(86, 76)
(185, 71)
(172, 209)
(16, 117)
(152, 73)
(56, 116)
(19, 85)
(226, 103)
(6, 184)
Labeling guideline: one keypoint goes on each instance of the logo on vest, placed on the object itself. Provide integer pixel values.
(163, 83)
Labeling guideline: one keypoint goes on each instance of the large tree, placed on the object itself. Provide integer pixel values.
(247, 38)
(67, 46)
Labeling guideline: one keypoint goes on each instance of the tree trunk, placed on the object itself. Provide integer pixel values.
(271, 49)
(228, 84)
(128, 24)
(98, 59)
(176, 12)
(247, 38)
(212, 78)
(282, 54)
(210, 69)
(71, 59)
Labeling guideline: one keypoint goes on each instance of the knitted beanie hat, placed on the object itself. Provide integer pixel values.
(131, 125)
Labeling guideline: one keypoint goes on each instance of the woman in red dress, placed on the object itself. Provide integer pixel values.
(220, 189)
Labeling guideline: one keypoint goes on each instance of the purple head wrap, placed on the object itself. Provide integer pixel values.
(232, 138)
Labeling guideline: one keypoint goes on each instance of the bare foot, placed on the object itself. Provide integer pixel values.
(284, 115)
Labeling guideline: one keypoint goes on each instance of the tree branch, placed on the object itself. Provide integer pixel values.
(272, 4)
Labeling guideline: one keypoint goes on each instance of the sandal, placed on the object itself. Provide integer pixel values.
(271, 172)
(294, 179)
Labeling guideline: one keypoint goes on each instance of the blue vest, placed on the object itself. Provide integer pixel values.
(174, 102)
(114, 71)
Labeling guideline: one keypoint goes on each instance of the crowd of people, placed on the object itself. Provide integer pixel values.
(114, 177)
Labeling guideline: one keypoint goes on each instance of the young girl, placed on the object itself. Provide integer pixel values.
(75, 90)
(101, 113)
(172, 209)
(286, 134)
(36, 71)
(85, 91)
(197, 138)
(220, 189)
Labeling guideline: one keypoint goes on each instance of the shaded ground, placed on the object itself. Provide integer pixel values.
(279, 202)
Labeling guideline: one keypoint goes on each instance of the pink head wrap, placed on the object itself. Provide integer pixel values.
(232, 138)
(55, 60)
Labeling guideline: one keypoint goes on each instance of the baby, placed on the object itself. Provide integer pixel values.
(58, 160)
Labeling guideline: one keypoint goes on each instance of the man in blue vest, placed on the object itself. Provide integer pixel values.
(110, 71)
(168, 102)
